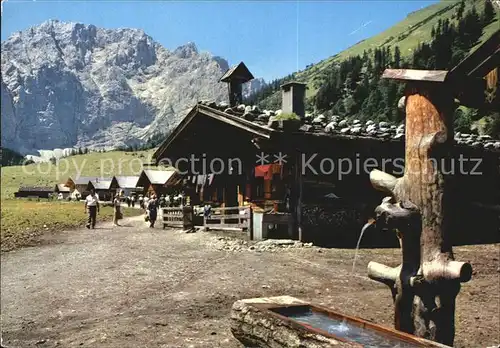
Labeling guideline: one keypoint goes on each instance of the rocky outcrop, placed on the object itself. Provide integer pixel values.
(74, 85)
(253, 86)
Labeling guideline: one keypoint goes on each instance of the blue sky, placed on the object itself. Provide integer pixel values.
(274, 38)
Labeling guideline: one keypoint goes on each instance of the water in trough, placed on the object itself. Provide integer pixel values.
(367, 337)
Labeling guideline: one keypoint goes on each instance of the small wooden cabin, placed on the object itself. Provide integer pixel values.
(79, 184)
(34, 191)
(64, 190)
(102, 187)
(125, 184)
(155, 181)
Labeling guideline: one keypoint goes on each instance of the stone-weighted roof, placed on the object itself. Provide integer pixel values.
(337, 125)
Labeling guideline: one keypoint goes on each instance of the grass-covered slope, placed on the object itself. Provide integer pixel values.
(106, 164)
(23, 221)
(414, 29)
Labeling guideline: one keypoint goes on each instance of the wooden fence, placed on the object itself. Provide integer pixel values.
(173, 217)
(233, 218)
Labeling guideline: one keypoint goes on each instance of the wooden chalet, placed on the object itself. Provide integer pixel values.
(155, 181)
(102, 187)
(34, 192)
(62, 189)
(125, 184)
(324, 199)
(78, 184)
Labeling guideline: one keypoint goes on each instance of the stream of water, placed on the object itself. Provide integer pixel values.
(365, 227)
(369, 338)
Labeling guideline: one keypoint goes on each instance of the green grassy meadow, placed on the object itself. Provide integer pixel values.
(22, 220)
(105, 164)
(407, 34)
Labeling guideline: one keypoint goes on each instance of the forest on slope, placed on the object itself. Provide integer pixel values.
(353, 87)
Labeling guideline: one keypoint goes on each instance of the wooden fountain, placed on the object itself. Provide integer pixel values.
(419, 207)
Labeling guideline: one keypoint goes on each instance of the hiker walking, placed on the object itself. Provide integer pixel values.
(92, 208)
(152, 209)
(117, 213)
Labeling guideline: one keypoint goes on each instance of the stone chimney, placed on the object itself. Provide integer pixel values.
(293, 98)
(235, 77)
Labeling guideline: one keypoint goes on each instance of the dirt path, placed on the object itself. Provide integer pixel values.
(139, 287)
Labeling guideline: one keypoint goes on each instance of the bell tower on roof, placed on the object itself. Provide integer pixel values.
(235, 77)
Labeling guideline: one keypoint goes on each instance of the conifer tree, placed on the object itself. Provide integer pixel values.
(488, 12)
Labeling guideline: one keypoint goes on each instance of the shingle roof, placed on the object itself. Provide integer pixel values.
(36, 189)
(82, 180)
(336, 126)
(101, 183)
(62, 188)
(159, 177)
(238, 72)
(127, 181)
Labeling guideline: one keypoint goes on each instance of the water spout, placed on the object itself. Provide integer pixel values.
(371, 222)
(341, 327)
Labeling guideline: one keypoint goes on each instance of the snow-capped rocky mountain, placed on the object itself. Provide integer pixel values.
(73, 85)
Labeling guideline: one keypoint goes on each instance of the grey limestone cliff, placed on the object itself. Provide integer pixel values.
(74, 85)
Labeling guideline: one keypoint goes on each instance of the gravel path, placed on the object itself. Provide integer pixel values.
(133, 286)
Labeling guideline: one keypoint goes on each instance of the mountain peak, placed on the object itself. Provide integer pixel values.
(70, 84)
(186, 51)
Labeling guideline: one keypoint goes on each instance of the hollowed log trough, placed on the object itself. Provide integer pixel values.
(256, 324)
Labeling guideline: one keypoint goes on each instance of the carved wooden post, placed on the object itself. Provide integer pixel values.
(419, 207)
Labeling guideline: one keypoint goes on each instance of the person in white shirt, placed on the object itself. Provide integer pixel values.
(92, 208)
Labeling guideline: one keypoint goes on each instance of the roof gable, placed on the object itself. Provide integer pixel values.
(36, 189)
(126, 181)
(158, 177)
(201, 110)
(480, 62)
(81, 180)
(100, 183)
(238, 73)
(61, 188)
